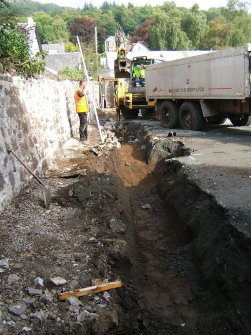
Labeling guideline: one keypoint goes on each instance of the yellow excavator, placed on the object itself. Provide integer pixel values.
(130, 98)
(121, 64)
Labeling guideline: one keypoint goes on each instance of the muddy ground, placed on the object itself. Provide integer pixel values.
(125, 214)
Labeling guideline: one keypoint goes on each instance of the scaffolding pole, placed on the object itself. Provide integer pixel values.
(90, 93)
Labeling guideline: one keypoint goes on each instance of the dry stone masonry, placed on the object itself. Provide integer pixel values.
(36, 117)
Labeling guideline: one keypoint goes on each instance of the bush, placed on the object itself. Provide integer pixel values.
(14, 52)
(72, 74)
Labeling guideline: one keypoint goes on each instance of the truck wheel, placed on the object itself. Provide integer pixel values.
(191, 116)
(169, 114)
(238, 121)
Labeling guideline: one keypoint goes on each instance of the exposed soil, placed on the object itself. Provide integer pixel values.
(121, 216)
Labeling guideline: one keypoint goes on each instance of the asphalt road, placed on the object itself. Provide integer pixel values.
(220, 160)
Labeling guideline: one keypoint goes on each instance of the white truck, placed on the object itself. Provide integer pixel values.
(204, 89)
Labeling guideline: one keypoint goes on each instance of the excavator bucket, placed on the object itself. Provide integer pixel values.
(122, 68)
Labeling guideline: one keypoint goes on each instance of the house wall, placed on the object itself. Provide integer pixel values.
(37, 116)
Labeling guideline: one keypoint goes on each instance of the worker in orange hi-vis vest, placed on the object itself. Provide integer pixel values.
(82, 108)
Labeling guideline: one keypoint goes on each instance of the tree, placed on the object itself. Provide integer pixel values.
(50, 29)
(234, 9)
(142, 33)
(231, 29)
(212, 13)
(83, 27)
(91, 58)
(218, 36)
(239, 20)
(3, 3)
(194, 23)
(106, 26)
(129, 20)
(167, 33)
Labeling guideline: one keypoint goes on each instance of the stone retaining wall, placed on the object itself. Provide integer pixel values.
(36, 117)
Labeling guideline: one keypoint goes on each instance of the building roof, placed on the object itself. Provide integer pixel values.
(110, 38)
(140, 45)
(53, 48)
(59, 61)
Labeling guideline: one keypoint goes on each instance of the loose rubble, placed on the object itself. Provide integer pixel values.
(98, 230)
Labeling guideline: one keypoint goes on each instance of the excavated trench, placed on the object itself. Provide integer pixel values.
(130, 214)
(186, 274)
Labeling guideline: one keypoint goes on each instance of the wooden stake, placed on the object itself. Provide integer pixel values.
(90, 290)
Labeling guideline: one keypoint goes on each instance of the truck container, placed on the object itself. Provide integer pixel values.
(199, 90)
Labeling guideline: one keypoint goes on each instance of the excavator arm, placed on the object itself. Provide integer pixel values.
(122, 63)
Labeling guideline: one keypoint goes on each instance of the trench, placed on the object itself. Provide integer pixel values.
(172, 294)
(162, 264)
(183, 265)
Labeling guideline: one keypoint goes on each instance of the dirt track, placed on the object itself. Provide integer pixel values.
(174, 267)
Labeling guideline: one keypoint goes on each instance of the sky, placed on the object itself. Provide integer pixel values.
(184, 3)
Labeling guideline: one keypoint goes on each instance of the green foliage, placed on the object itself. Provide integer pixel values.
(71, 47)
(166, 33)
(71, 74)
(165, 27)
(217, 37)
(103, 29)
(194, 23)
(91, 58)
(50, 29)
(14, 52)
(3, 3)
(230, 29)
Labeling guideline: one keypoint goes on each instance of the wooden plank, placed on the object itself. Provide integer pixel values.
(90, 290)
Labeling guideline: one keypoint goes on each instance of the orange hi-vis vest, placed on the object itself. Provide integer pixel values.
(82, 105)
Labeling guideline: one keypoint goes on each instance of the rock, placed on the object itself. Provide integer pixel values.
(1, 68)
(97, 300)
(12, 279)
(146, 206)
(73, 284)
(47, 297)
(97, 151)
(17, 266)
(107, 296)
(34, 291)
(74, 301)
(34, 321)
(39, 282)
(85, 315)
(24, 317)
(58, 281)
(37, 317)
(26, 329)
(82, 193)
(4, 265)
(74, 309)
(29, 301)
(117, 226)
(18, 309)
(93, 240)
